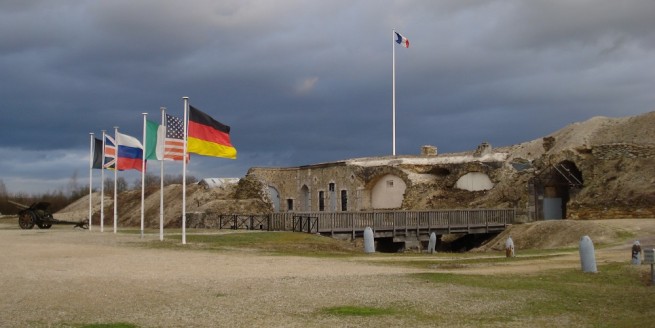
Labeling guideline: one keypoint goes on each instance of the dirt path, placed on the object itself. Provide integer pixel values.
(62, 277)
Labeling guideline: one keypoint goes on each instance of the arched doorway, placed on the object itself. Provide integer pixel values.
(305, 201)
(388, 192)
(274, 195)
(474, 181)
(552, 190)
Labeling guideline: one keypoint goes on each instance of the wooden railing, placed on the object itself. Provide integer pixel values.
(338, 222)
(442, 221)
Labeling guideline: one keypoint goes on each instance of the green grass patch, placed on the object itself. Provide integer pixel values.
(362, 311)
(279, 243)
(616, 296)
(445, 260)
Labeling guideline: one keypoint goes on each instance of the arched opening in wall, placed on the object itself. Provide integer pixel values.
(332, 197)
(274, 196)
(305, 201)
(552, 190)
(474, 181)
(388, 192)
(440, 171)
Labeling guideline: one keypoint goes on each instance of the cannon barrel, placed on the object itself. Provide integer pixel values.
(19, 205)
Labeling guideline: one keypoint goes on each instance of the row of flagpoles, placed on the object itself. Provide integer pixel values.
(172, 140)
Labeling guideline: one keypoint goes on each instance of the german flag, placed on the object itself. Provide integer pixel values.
(209, 137)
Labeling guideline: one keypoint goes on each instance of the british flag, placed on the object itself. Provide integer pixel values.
(109, 153)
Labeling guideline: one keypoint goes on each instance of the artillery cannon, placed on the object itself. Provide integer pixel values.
(38, 214)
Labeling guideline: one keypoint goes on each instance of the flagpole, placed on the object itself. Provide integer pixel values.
(102, 186)
(143, 171)
(91, 153)
(393, 111)
(161, 178)
(186, 130)
(115, 180)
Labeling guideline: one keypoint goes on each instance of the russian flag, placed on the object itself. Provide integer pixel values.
(130, 152)
(401, 40)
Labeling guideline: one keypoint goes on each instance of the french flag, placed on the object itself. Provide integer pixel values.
(130, 153)
(401, 40)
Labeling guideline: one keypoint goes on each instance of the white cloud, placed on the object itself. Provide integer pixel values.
(306, 85)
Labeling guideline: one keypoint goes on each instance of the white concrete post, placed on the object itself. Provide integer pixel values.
(587, 255)
(369, 241)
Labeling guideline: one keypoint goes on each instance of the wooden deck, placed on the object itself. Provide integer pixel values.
(395, 224)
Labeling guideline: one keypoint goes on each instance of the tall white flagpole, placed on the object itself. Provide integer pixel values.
(393, 111)
(102, 186)
(186, 131)
(161, 177)
(143, 171)
(115, 180)
(91, 156)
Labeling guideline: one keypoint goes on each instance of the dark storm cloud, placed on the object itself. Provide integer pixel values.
(305, 82)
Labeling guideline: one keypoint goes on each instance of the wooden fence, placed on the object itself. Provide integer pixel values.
(390, 222)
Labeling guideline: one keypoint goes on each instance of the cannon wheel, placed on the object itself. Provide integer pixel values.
(45, 225)
(26, 220)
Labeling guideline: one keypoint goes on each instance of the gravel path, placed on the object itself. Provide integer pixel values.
(63, 277)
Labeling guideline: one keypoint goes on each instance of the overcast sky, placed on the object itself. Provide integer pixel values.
(303, 82)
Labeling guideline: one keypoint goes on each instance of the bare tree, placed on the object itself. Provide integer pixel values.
(75, 191)
(121, 185)
(177, 179)
(3, 189)
(151, 181)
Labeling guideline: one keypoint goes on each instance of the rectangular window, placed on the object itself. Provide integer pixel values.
(290, 204)
(321, 201)
(344, 200)
(389, 183)
(331, 186)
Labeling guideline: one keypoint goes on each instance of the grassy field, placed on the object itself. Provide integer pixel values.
(617, 296)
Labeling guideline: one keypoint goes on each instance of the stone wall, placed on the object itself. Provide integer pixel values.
(318, 178)
(623, 150)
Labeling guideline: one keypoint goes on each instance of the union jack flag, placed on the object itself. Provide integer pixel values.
(109, 153)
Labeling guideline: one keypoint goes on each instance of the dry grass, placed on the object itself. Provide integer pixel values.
(68, 278)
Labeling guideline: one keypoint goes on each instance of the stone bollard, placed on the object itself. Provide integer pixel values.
(369, 241)
(432, 244)
(636, 253)
(587, 255)
(509, 247)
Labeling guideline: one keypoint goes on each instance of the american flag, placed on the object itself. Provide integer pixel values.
(174, 141)
(110, 153)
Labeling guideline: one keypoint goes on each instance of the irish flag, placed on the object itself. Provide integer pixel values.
(207, 136)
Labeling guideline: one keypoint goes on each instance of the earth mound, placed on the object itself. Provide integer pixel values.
(556, 234)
